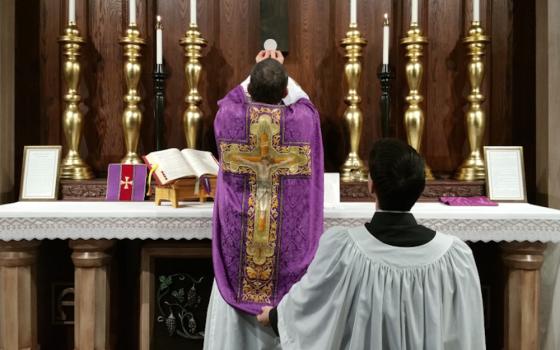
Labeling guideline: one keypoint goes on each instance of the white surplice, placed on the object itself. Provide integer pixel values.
(550, 298)
(230, 329)
(360, 293)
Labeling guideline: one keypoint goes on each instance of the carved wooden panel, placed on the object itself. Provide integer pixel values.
(94, 190)
(358, 191)
(175, 285)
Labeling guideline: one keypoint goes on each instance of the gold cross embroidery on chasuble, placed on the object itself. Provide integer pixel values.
(265, 159)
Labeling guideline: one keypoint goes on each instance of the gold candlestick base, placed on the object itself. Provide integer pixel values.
(132, 115)
(414, 118)
(192, 43)
(473, 167)
(131, 158)
(353, 168)
(73, 166)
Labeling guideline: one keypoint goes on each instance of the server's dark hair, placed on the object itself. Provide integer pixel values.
(269, 81)
(397, 172)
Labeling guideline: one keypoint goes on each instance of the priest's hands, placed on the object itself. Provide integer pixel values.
(263, 317)
(275, 55)
(262, 55)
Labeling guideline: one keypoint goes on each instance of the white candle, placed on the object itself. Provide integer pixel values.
(132, 12)
(386, 40)
(476, 10)
(414, 13)
(353, 12)
(159, 41)
(193, 12)
(72, 11)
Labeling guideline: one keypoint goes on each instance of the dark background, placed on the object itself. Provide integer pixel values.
(316, 61)
(274, 21)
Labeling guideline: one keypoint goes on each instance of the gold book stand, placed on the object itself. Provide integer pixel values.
(184, 190)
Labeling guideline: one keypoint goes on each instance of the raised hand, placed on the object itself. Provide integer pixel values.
(277, 55)
(262, 55)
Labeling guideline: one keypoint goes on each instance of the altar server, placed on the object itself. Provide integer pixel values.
(390, 284)
(268, 211)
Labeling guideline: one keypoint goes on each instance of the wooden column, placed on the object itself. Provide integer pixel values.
(18, 295)
(91, 261)
(521, 312)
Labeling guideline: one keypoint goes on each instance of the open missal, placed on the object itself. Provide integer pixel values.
(171, 164)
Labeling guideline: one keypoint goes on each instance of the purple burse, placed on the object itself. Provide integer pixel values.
(126, 182)
(477, 201)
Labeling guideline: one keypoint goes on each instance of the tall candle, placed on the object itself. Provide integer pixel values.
(386, 40)
(414, 12)
(132, 12)
(193, 12)
(476, 10)
(353, 12)
(72, 11)
(159, 40)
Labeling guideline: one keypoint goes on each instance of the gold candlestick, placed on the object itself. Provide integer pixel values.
(414, 116)
(192, 43)
(132, 115)
(353, 168)
(473, 166)
(73, 167)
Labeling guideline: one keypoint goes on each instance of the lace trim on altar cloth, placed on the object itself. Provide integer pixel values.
(105, 228)
(484, 230)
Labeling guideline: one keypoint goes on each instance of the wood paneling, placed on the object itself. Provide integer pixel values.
(7, 101)
(104, 82)
(28, 96)
(315, 59)
(548, 104)
(445, 84)
(524, 104)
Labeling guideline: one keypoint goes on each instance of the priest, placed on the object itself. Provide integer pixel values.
(390, 284)
(268, 211)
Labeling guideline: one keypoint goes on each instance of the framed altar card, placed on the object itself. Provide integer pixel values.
(505, 173)
(40, 173)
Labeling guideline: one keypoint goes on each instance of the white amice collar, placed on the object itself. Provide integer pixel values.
(415, 256)
(392, 211)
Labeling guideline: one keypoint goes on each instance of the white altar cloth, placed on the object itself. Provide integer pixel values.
(145, 220)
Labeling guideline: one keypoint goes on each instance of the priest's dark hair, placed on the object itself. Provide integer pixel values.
(269, 81)
(397, 173)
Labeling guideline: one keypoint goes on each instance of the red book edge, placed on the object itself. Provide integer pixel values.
(158, 182)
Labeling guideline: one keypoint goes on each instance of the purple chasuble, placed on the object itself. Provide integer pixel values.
(268, 210)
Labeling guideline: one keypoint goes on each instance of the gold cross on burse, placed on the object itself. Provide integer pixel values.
(127, 182)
